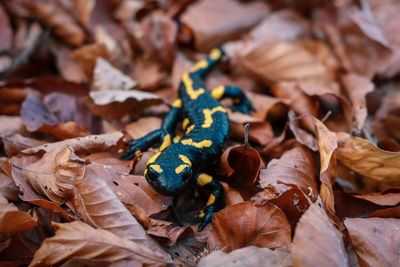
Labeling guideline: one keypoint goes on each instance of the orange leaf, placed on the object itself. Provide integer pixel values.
(316, 241)
(13, 220)
(244, 224)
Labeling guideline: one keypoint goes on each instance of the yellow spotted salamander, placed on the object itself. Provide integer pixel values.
(206, 126)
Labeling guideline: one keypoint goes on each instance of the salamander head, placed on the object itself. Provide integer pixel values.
(169, 175)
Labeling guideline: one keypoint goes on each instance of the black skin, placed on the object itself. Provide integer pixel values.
(182, 163)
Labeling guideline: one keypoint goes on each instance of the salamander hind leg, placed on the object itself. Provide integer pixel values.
(240, 101)
(214, 202)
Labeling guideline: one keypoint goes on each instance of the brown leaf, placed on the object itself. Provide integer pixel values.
(10, 125)
(82, 144)
(5, 31)
(244, 224)
(295, 167)
(83, 10)
(231, 195)
(100, 207)
(15, 143)
(148, 74)
(242, 164)
(143, 126)
(79, 239)
(358, 87)
(39, 116)
(156, 35)
(52, 174)
(130, 189)
(214, 22)
(376, 240)
(247, 256)
(316, 241)
(302, 136)
(54, 16)
(390, 197)
(274, 62)
(106, 77)
(364, 157)
(13, 220)
(87, 55)
(168, 230)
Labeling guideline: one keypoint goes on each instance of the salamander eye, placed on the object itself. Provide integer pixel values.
(151, 174)
(186, 173)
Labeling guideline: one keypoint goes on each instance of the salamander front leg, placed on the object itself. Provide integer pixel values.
(214, 202)
(161, 137)
(240, 101)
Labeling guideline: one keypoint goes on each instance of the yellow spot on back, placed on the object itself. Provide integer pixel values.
(177, 103)
(215, 54)
(218, 92)
(137, 152)
(166, 142)
(202, 64)
(208, 120)
(153, 158)
(193, 94)
(156, 167)
(201, 214)
(211, 200)
(189, 129)
(185, 159)
(204, 143)
(180, 168)
(185, 123)
(203, 179)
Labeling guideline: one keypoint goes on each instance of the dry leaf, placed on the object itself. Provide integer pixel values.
(316, 241)
(54, 16)
(358, 87)
(83, 9)
(214, 22)
(106, 77)
(79, 239)
(116, 103)
(250, 256)
(364, 157)
(15, 143)
(244, 224)
(143, 126)
(87, 55)
(295, 167)
(82, 144)
(6, 31)
(10, 125)
(156, 35)
(168, 230)
(13, 220)
(51, 176)
(273, 62)
(376, 240)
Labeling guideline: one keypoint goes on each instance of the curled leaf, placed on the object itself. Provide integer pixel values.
(13, 220)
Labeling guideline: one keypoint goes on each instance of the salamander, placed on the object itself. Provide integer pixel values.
(205, 122)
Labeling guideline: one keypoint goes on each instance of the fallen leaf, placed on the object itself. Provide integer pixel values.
(302, 136)
(246, 257)
(51, 176)
(214, 22)
(316, 241)
(244, 224)
(295, 167)
(82, 144)
(167, 230)
(116, 103)
(106, 77)
(273, 62)
(143, 126)
(100, 207)
(364, 157)
(156, 35)
(87, 55)
(83, 10)
(6, 31)
(241, 165)
(13, 220)
(10, 125)
(231, 195)
(79, 239)
(54, 16)
(148, 74)
(376, 240)
(358, 87)
(15, 143)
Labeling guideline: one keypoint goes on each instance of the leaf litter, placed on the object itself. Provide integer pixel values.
(316, 182)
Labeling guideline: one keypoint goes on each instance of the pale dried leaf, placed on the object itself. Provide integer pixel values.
(316, 241)
(78, 239)
(106, 77)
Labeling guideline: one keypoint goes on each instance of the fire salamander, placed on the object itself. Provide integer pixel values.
(206, 126)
